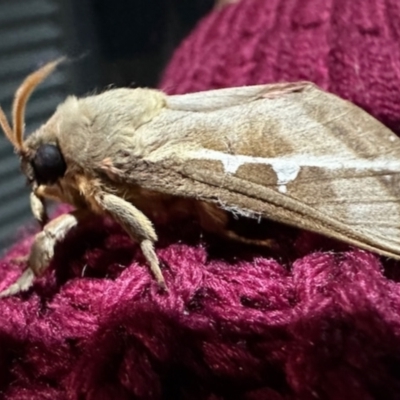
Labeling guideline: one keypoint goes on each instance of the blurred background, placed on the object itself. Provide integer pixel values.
(118, 42)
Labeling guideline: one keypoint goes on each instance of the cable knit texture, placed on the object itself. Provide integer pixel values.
(350, 48)
(322, 323)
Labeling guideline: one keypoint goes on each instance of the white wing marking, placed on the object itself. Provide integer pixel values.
(288, 168)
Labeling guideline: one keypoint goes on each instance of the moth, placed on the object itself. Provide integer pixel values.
(287, 152)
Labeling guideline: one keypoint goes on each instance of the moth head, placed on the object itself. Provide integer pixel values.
(42, 162)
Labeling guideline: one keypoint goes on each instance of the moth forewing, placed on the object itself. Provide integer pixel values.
(288, 152)
(339, 169)
(306, 158)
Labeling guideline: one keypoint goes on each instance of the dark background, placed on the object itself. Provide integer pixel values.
(128, 42)
(107, 42)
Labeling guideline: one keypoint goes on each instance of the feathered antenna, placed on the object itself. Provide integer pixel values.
(16, 134)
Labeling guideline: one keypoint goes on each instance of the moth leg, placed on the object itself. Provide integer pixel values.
(38, 209)
(37, 202)
(137, 225)
(239, 228)
(42, 250)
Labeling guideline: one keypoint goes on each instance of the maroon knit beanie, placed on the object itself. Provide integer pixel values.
(350, 48)
(235, 323)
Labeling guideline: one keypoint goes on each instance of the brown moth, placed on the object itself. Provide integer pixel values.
(288, 152)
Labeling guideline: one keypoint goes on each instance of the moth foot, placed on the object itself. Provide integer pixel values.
(42, 252)
(147, 247)
(23, 283)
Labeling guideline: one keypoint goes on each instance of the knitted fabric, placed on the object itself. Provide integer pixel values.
(322, 323)
(350, 48)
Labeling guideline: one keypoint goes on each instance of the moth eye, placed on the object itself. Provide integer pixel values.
(48, 164)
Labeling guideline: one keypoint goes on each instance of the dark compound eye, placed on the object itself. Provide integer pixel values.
(48, 164)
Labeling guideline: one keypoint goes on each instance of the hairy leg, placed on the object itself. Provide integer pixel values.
(42, 250)
(137, 225)
(38, 209)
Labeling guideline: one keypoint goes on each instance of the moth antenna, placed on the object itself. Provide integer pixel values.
(7, 128)
(22, 96)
